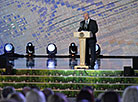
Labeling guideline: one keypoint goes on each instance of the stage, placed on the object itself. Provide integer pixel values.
(67, 62)
(58, 73)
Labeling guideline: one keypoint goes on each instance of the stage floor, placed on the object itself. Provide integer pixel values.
(68, 63)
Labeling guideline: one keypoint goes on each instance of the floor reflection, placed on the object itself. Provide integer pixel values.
(30, 62)
(73, 62)
(51, 63)
(60, 63)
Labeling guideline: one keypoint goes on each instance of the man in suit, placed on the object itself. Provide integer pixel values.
(89, 25)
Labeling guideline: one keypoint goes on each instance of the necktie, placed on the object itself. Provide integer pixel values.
(86, 24)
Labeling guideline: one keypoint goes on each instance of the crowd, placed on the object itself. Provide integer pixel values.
(86, 94)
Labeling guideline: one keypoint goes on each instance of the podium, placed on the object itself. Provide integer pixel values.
(82, 41)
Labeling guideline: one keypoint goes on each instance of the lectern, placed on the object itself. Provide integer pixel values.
(82, 41)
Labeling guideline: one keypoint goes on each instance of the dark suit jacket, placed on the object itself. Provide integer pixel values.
(92, 26)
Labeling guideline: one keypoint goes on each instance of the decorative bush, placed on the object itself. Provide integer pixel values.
(68, 82)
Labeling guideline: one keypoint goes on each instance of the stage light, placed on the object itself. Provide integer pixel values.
(9, 48)
(30, 49)
(128, 71)
(51, 49)
(98, 49)
(73, 49)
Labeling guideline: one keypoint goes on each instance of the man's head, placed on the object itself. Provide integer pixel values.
(7, 90)
(86, 16)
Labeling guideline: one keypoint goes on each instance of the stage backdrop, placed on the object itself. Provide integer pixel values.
(54, 21)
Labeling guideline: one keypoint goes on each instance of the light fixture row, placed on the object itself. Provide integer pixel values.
(51, 49)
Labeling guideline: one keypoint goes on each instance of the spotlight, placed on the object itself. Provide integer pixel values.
(73, 49)
(8, 48)
(98, 50)
(51, 49)
(128, 71)
(30, 49)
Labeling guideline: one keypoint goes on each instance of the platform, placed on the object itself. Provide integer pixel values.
(67, 63)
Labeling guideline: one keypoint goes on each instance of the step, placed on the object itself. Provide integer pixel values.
(72, 86)
(72, 79)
